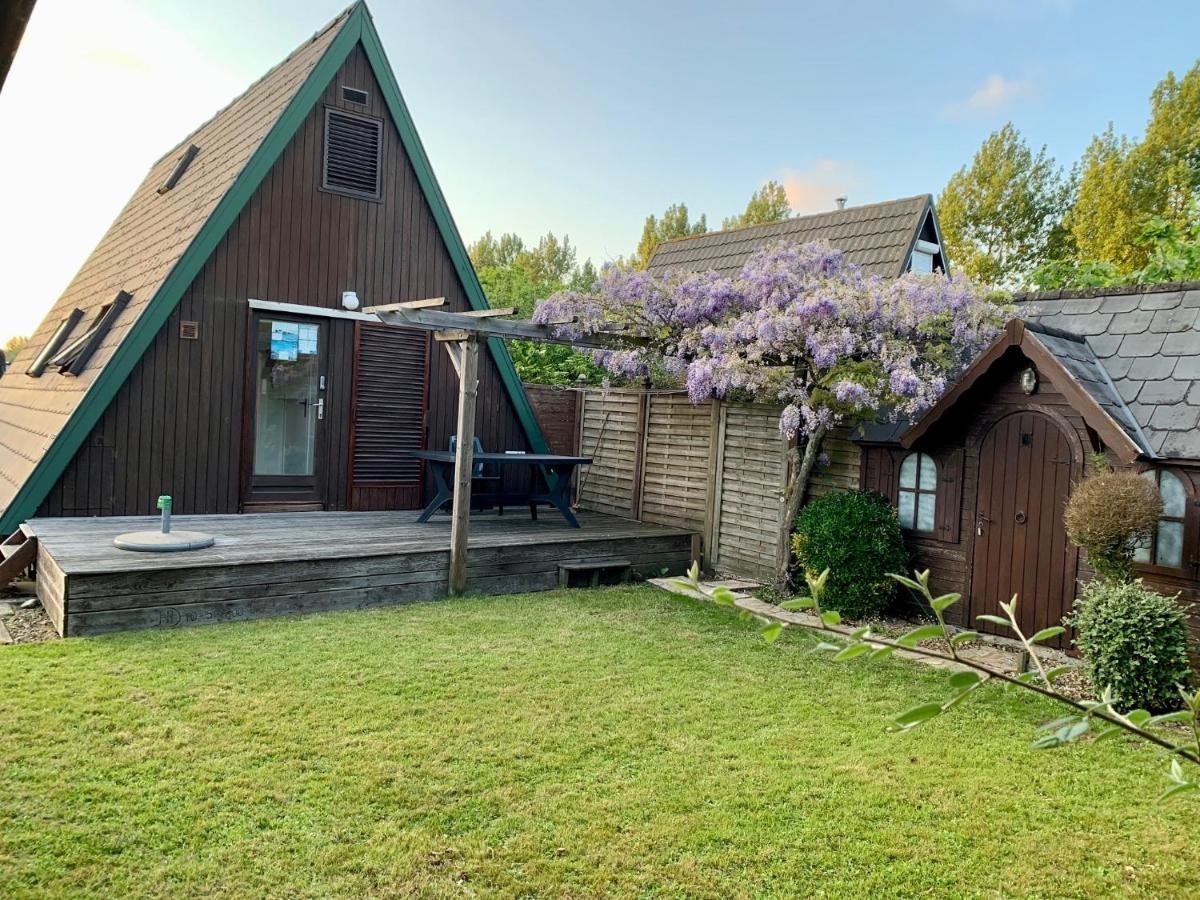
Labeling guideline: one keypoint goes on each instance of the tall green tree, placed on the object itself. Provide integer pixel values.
(1124, 184)
(493, 252)
(768, 204)
(1001, 215)
(513, 273)
(674, 223)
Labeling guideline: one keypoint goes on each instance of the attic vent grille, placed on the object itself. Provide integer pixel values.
(352, 147)
(354, 95)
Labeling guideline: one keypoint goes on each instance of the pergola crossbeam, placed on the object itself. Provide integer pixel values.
(461, 333)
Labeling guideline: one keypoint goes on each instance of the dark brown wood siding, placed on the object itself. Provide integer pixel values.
(557, 410)
(176, 426)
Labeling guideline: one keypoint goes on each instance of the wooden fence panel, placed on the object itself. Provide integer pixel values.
(718, 468)
(611, 433)
(751, 468)
(676, 461)
(841, 474)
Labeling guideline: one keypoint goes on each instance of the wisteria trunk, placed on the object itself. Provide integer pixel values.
(800, 466)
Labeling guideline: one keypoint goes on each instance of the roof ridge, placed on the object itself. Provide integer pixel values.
(693, 237)
(1115, 290)
(335, 21)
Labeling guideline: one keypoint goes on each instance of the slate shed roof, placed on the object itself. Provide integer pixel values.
(1076, 356)
(878, 237)
(1147, 339)
(1134, 350)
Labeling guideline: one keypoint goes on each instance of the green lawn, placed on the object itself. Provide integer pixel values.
(608, 742)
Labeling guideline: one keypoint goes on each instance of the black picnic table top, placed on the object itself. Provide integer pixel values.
(557, 489)
(528, 459)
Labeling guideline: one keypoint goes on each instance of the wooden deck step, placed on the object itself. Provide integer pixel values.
(17, 553)
(612, 569)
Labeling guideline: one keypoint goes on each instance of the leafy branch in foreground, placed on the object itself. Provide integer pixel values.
(1097, 717)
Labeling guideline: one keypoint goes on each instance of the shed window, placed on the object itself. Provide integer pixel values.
(917, 498)
(352, 154)
(1165, 547)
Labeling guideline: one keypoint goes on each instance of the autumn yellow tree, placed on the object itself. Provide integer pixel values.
(1001, 215)
(1123, 183)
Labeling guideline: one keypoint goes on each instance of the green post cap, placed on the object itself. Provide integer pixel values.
(164, 502)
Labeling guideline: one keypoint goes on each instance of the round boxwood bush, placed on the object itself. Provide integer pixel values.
(855, 535)
(1133, 641)
(1110, 514)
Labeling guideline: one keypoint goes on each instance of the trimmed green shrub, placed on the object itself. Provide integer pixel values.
(1134, 641)
(856, 535)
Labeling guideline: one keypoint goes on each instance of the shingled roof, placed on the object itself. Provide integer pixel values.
(162, 238)
(138, 254)
(879, 237)
(1148, 341)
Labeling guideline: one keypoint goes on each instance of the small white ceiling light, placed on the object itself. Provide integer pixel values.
(350, 300)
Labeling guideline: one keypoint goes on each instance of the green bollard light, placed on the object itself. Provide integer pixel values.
(164, 503)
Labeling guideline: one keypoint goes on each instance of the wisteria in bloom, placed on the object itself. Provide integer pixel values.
(798, 325)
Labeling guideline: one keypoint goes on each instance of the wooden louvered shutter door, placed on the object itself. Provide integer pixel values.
(390, 398)
(949, 495)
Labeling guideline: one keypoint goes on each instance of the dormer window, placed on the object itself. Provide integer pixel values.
(74, 356)
(61, 333)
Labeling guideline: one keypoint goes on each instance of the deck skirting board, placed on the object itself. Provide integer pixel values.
(90, 590)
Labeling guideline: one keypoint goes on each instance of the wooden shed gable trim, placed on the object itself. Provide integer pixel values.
(357, 28)
(1015, 334)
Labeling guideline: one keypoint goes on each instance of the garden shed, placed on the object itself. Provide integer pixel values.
(980, 481)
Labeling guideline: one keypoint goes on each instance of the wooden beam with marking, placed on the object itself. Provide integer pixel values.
(437, 320)
(490, 313)
(429, 303)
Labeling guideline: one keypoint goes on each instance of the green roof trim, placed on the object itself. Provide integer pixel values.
(357, 27)
(445, 222)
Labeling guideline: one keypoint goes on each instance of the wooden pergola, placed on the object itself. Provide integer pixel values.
(460, 333)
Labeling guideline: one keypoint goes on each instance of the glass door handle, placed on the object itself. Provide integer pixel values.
(320, 409)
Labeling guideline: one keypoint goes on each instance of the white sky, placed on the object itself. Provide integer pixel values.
(53, 208)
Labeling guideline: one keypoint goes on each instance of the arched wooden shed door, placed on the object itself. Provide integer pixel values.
(1026, 466)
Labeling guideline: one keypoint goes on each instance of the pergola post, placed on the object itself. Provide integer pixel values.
(464, 459)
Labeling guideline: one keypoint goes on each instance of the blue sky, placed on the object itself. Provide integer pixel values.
(583, 117)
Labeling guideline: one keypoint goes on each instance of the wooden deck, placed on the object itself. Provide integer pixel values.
(275, 564)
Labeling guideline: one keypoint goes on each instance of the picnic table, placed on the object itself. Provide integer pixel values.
(557, 491)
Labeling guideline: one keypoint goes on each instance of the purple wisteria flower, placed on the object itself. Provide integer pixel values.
(798, 325)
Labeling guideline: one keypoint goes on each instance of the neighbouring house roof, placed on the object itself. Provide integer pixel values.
(879, 237)
(1130, 353)
(162, 238)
